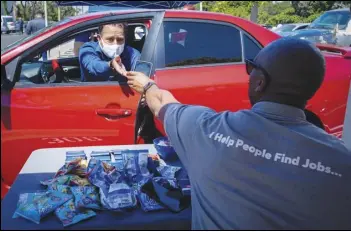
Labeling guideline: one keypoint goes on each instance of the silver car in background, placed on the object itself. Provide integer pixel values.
(288, 29)
(328, 28)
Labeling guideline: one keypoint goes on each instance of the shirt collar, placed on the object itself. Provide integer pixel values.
(272, 109)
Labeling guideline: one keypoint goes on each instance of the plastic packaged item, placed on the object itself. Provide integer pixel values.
(117, 154)
(86, 197)
(62, 180)
(119, 197)
(42, 206)
(118, 160)
(101, 155)
(27, 198)
(166, 192)
(164, 148)
(70, 180)
(60, 188)
(72, 155)
(69, 215)
(136, 165)
(168, 171)
(103, 175)
(76, 167)
(147, 203)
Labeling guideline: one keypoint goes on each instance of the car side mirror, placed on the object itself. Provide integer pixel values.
(139, 33)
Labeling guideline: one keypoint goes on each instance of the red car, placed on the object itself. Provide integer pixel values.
(198, 56)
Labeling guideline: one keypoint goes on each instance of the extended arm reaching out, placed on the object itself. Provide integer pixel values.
(155, 98)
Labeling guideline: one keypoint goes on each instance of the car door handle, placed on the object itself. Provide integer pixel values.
(114, 112)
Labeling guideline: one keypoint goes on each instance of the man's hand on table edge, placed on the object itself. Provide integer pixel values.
(155, 97)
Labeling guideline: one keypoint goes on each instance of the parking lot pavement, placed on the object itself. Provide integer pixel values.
(7, 39)
(64, 50)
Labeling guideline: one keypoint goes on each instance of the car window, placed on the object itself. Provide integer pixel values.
(301, 27)
(251, 49)
(8, 19)
(285, 28)
(190, 43)
(60, 63)
(329, 20)
(29, 37)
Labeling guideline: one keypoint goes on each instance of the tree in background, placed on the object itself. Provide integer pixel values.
(6, 10)
(28, 9)
(269, 12)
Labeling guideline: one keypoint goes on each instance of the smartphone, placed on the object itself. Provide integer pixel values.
(143, 67)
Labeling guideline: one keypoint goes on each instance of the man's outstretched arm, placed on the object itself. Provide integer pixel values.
(155, 98)
(180, 121)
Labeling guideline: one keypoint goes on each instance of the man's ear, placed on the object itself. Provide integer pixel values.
(261, 83)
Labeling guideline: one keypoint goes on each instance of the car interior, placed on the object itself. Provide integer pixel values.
(63, 66)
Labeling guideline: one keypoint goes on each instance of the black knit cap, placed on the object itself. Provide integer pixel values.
(296, 69)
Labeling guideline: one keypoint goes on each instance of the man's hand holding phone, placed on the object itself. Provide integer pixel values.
(138, 81)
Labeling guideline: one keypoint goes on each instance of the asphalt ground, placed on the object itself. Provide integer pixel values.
(7, 39)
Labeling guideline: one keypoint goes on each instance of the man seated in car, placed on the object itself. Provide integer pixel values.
(108, 58)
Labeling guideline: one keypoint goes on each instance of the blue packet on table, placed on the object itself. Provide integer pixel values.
(72, 155)
(70, 180)
(27, 198)
(86, 197)
(166, 192)
(119, 197)
(60, 188)
(136, 165)
(75, 167)
(147, 203)
(103, 174)
(168, 171)
(69, 214)
(101, 155)
(42, 206)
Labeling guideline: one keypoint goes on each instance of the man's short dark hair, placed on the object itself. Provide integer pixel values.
(124, 25)
(296, 68)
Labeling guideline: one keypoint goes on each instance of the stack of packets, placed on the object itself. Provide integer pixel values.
(118, 180)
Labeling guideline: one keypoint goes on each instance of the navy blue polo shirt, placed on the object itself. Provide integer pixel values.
(261, 169)
(94, 63)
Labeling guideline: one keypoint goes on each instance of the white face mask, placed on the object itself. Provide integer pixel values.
(111, 51)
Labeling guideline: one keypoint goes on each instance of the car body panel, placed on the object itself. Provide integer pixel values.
(63, 116)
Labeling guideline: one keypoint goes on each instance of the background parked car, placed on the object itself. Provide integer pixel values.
(343, 37)
(323, 29)
(287, 29)
(7, 24)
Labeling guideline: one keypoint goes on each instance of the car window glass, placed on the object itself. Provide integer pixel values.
(251, 49)
(29, 37)
(190, 43)
(330, 19)
(60, 64)
(285, 28)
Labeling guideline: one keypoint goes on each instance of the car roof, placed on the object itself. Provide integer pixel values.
(115, 12)
(343, 9)
(296, 24)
